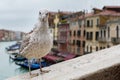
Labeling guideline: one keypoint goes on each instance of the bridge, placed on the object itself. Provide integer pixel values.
(101, 65)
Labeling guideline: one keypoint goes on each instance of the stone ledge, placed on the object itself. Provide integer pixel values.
(101, 65)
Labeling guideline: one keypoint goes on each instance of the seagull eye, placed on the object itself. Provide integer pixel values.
(39, 12)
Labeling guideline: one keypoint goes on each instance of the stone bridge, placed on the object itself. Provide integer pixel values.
(101, 65)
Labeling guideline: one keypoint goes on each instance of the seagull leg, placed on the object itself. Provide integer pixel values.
(42, 71)
(29, 67)
(31, 75)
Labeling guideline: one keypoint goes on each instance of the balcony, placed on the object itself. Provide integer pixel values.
(115, 40)
(102, 39)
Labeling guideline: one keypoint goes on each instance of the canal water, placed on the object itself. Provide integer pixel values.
(8, 68)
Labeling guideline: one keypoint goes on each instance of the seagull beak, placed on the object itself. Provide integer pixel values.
(43, 19)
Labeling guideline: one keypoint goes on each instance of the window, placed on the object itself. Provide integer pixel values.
(100, 48)
(74, 33)
(83, 44)
(91, 35)
(98, 22)
(101, 33)
(97, 35)
(78, 43)
(96, 48)
(87, 36)
(78, 33)
(90, 48)
(91, 23)
(117, 32)
(104, 33)
(88, 23)
(108, 46)
(73, 42)
(70, 33)
(103, 47)
(108, 32)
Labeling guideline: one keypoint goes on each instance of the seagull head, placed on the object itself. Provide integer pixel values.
(43, 16)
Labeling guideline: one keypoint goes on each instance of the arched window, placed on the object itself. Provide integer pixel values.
(90, 48)
(96, 48)
(100, 48)
(108, 46)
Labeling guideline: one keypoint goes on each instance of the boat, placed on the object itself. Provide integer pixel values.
(66, 55)
(53, 59)
(17, 58)
(13, 48)
(33, 65)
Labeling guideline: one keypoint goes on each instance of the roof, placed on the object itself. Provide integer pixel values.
(97, 9)
(106, 7)
(113, 8)
(103, 13)
(109, 12)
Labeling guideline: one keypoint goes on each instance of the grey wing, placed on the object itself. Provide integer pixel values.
(25, 42)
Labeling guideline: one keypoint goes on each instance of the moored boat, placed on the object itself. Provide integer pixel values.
(33, 64)
(13, 48)
(17, 58)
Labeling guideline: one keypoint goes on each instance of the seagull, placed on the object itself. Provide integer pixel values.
(39, 41)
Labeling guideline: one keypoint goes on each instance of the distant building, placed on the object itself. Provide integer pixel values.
(95, 24)
(76, 33)
(110, 33)
(113, 26)
(19, 35)
(8, 35)
(63, 34)
(108, 29)
(60, 17)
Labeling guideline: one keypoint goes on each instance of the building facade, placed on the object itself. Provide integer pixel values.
(63, 34)
(95, 29)
(92, 32)
(77, 33)
(110, 33)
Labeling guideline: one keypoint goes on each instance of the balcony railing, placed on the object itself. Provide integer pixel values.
(115, 40)
(102, 39)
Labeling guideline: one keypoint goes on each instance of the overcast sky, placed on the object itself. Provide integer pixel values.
(21, 15)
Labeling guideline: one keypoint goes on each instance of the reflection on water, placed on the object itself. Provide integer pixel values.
(21, 70)
(8, 68)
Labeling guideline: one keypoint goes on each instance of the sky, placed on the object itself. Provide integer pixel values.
(21, 15)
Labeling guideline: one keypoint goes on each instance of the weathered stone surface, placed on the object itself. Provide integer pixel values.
(111, 73)
(101, 65)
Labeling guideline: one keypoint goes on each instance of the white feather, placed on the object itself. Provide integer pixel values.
(40, 41)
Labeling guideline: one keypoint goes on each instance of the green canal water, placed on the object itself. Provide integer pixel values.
(8, 68)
